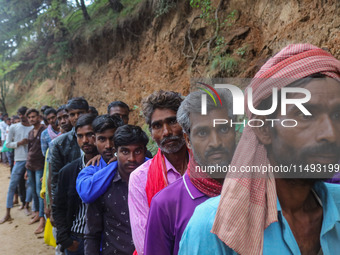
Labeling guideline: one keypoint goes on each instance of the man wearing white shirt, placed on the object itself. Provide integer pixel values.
(17, 139)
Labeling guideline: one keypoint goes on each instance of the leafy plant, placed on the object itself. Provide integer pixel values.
(164, 7)
(224, 63)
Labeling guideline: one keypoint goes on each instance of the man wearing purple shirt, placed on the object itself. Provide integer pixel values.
(160, 110)
(173, 206)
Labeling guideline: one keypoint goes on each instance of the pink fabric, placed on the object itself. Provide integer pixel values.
(51, 133)
(138, 203)
(248, 205)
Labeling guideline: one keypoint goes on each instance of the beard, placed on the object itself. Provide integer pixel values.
(179, 141)
(306, 163)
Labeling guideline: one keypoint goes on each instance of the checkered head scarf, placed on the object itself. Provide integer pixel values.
(248, 205)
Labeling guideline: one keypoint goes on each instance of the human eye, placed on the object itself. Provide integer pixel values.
(156, 125)
(138, 152)
(173, 121)
(125, 152)
(224, 129)
(336, 115)
(202, 132)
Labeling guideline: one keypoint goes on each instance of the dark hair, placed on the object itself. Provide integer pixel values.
(22, 110)
(15, 117)
(4, 115)
(44, 108)
(160, 100)
(61, 108)
(129, 134)
(77, 103)
(85, 120)
(117, 103)
(48, 111)
(29, 111)
(93, 110)
(105, 122)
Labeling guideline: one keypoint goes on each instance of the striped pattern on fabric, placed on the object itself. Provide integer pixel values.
(248, 204)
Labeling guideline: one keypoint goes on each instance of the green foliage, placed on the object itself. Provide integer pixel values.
(38, 33)
(224, 63)
(241, 51)
(152, 145)
(164, 7)
(207, 10)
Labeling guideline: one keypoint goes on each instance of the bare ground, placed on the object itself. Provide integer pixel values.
(17, 237)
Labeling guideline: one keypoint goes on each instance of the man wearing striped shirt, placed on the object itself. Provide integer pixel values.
(69, 210)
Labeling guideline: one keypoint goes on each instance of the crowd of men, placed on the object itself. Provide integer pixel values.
(105, 193)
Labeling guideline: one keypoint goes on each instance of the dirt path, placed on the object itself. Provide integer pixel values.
(17, 237)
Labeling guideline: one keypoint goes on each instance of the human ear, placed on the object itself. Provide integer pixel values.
(187, 140)
(263, 133)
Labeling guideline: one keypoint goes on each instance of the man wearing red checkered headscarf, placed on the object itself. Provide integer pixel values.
(280, 216)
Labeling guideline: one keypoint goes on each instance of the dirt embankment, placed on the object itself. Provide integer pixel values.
(146, 54)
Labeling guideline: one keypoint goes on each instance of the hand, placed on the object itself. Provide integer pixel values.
(26, 176)
(94, 161)
(112, 159)
(23, 142)
(47, 212)
(74, 246)
(52, 220)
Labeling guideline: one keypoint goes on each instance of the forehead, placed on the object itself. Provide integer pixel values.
(324, 92)
(118, 109)
(131, 147)
(85, 129)
(51, 115)
(162, 114)
(197, 120)
(61, 113)
(106, 133)
(76, 110)
(32, 114)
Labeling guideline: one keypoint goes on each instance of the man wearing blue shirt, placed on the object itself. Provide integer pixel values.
(300, 215)
(93, 181)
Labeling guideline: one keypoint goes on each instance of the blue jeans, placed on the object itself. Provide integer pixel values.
(80, 250)
(17, 172)
(34, 180)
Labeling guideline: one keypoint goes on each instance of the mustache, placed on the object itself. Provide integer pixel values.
(170, 138)
(219, 149)
(325, 148)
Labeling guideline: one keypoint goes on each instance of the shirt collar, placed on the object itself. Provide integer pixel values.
(331, 213)
(193, 192)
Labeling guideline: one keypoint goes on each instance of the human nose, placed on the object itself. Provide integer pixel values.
(215, 140)
(326, 131)
(132, 157)
(167, 131)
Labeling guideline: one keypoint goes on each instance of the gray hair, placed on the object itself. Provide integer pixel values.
(192, 104)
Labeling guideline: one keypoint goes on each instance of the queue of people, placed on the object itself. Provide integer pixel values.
(92, 176)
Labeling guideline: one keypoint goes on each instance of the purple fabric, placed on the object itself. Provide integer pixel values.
(170, 212)
(335, 179)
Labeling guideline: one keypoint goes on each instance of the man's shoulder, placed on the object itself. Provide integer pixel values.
(63, 138)
(334, 191)
(72, 166)
(141, 172)
(170, 194)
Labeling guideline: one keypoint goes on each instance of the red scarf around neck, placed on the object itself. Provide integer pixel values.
(202, 181)
(157, 176)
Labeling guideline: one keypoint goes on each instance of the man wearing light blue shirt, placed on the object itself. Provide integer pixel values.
(280, 213)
